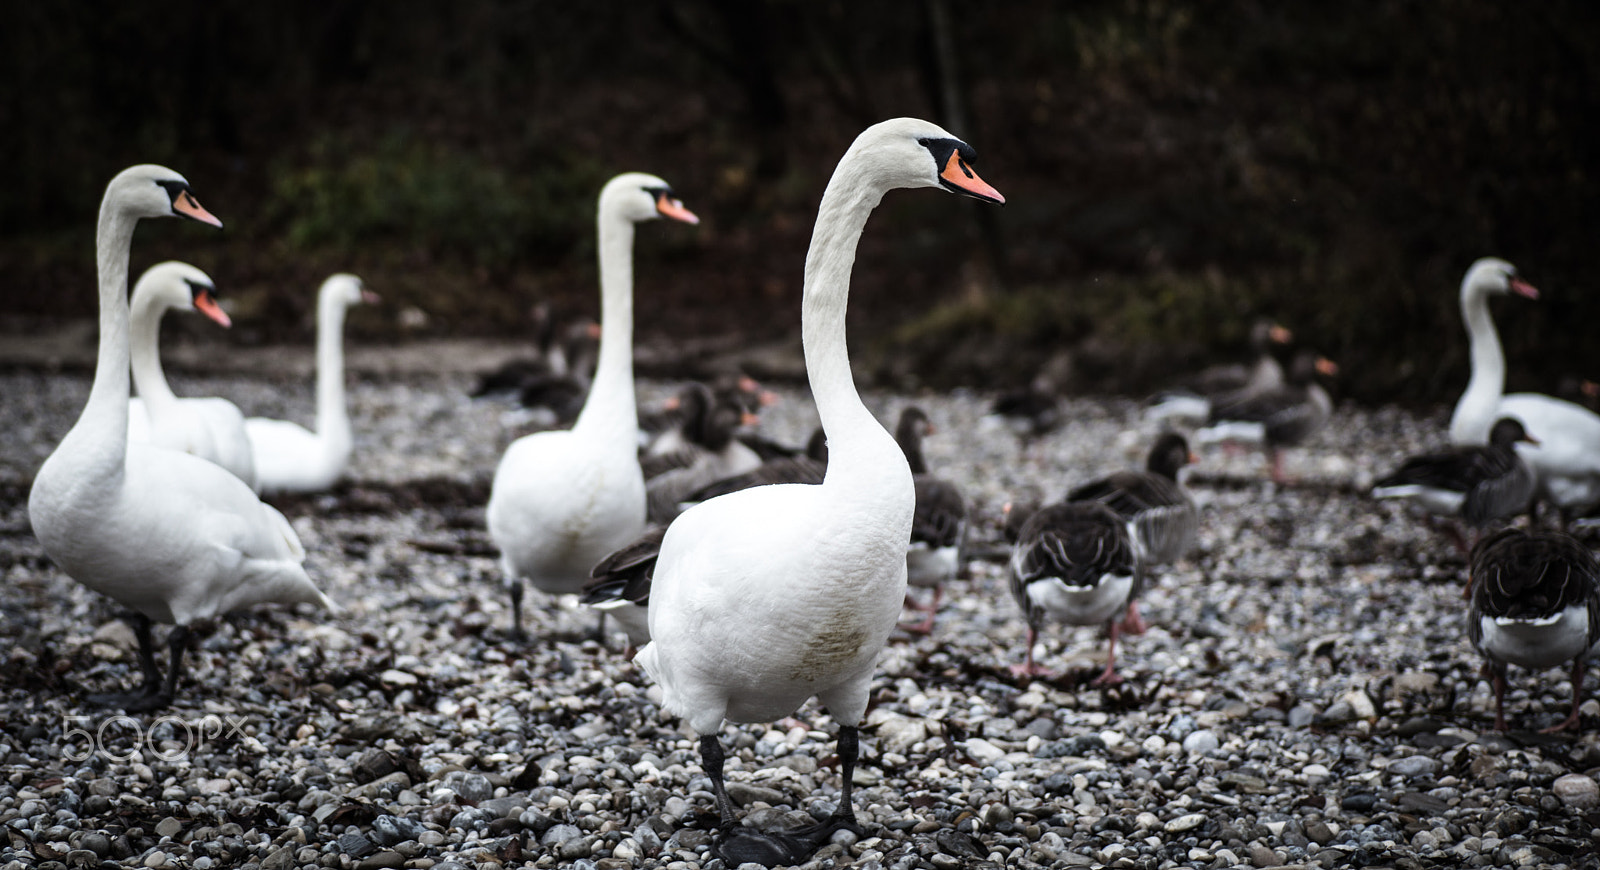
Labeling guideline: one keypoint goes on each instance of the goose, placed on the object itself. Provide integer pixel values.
(170, 536)
(810, 466)
(1566, 458)
(939, 524)
(661, 430)
(210, 428)
(1074, 562)
(1162, 519)
(1480, 484)
(556, 397)
(289, 457)
(1276, 418)
(1535, 603)
(765, 597)
(550, 359)
(561, 500)
(1229, 383)
(709, 453)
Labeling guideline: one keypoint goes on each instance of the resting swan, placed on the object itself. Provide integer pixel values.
(210, 428)
(562, 500)
(290, 458)
(765, 597)
(1566, 455)
(168, 535)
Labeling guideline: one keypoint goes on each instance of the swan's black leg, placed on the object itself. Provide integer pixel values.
(147, 654)
(177, 644)
(712, 758)
(515, 585)
(739, 845)
(154, 694)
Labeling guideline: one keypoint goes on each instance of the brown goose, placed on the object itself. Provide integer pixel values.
(1074, 562)
(1479, 484)
(1161, 516)
(1277, 418)
(937, 527)
(1228, 383)
(1535, 603)
(708, 453)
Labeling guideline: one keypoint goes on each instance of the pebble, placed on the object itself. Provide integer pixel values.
(1576, 791)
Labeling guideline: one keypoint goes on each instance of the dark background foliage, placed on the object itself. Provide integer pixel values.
(1172, 169)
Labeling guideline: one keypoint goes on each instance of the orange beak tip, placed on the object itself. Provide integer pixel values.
(370, 298)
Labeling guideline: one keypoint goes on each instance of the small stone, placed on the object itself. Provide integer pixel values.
(1414, 765)
(1202, 742)
(374, 764)
(1317, 831)
(984, 752)
(282, 859)
(156, 859)
(744, 794)
(470, 788)
(1185, 823)
(398, 679)
(1576, 791)
(1263, 856)
(356, 845)
(1359, 803)
(559, 834)
(388, 858)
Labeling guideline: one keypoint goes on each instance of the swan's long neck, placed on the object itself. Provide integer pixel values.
(148, 378)
(857, 443)
(610, 408)
(1474, 412)
(333, 423)
(99, 440)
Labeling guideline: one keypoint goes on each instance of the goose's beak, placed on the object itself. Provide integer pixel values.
(185, 204)
(1327, 366)
(1523, 288)
(958, 176)
(206, 303)
(1280, 334)
(748, 419)
(671, 207)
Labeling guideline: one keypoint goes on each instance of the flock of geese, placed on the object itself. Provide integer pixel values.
(752, 583)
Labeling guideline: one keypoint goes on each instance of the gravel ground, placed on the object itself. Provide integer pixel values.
(1305, 696)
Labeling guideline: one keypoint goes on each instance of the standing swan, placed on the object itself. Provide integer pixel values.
(765, 597)
(1565, 452)
(210, 428)
(289, 458)
(169, 535)
(563, 500)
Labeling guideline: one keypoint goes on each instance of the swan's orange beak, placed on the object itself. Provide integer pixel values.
(671, 207)
(960, 176)
(185, 204)
(1523, 288)
(1327, 366)
(370, 298)
(1280, 334)
(205, 302)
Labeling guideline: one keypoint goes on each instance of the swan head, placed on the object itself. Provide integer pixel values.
(639, 196)
(148, 190)
(1492, 276)
(344, 290)
(181, 286)
(907, 152)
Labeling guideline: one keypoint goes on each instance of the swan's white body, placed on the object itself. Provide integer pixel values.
(1566, 459)
(167, 534)
(765, 597)
(563, 500)
(209, 427)
(289, 457)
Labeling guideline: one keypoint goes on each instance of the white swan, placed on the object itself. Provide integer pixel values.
(1566, 457)
(562, 500)
(288, 457)
(765, 597)
(208, 427)
(169, 535)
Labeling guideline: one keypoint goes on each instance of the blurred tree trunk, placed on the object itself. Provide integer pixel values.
(983, 267)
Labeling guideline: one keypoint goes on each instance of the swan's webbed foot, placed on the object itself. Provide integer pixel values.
(737, 844)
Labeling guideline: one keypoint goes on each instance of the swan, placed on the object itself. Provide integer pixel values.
(1566, 457)
(562, 500)
(1535, 603)
(170, 536)
(765, 597)
(938, 526)
(290, 458)
(210, 428)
